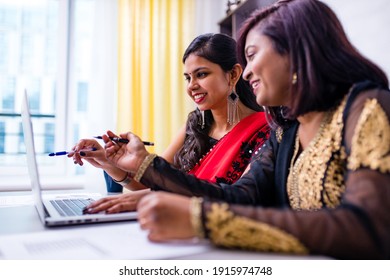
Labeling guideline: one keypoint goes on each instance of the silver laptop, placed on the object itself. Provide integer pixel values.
(52, 211)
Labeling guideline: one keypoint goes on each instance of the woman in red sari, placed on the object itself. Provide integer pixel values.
(220, 136)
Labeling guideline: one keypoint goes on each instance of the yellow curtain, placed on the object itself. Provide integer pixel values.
(153, 35)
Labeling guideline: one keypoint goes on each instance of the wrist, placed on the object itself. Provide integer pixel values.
(124, 181)
(196, 216)
(115, 173)
(147, 161)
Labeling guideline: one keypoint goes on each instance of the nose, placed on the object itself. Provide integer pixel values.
(246, 75)
(192, 84)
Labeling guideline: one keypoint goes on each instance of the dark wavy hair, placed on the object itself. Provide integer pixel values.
(325, 61)
(219, 49)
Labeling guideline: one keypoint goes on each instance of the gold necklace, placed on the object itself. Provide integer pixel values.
(297, 161)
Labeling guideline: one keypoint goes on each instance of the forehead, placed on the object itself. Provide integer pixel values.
(256, 39)
(194, 62)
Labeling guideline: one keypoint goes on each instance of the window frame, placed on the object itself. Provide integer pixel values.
(62, 173)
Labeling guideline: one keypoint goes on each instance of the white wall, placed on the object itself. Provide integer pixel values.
(207, 15)
(367, 24)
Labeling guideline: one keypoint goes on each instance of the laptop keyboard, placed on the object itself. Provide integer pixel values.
(72, 206)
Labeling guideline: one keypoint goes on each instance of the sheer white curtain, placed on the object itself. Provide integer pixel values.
(103, 81)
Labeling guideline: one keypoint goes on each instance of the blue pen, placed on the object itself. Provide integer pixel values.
(63, 153)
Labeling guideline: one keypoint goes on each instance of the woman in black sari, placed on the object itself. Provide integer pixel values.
(321, 183)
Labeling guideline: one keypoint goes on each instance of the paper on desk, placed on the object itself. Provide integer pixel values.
(116, 241)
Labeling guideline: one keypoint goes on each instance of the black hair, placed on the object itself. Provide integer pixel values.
(326, 64)
(219, 49)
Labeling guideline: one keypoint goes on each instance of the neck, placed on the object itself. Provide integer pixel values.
(310, 118)
(309, 126)
(220, 126)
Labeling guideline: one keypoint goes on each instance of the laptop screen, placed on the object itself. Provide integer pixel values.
(28, 135)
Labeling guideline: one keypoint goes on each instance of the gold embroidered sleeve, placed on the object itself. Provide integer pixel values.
(228, 230)
(370, 145)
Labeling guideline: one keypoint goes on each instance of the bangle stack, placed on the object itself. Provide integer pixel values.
(196, 216)
(125, 181)
(144, 165)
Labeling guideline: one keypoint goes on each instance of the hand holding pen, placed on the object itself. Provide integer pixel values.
(63, 153)
(127, 157)
(115, 139)
(124, 140)
(91, 151)
(88, 150)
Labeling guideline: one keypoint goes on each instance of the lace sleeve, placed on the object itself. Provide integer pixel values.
(358, 228)
(367, 135)
(252, 188)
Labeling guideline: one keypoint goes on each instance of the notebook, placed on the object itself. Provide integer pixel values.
(50, 209)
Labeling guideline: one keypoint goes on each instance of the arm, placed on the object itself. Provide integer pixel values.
(127, 202)
(247, 190)
(175, 145)
(98, 159)
(358, 228)
(160, 175)
(168, 155)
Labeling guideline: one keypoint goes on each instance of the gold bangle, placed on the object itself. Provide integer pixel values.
(196, 216)
(144, 165)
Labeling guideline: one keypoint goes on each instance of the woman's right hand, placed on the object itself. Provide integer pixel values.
(125, 156)
(165, 216)
(117, 203)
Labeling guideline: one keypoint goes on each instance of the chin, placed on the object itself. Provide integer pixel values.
(261, 101)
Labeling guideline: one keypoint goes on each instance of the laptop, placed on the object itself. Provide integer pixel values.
(50, 210)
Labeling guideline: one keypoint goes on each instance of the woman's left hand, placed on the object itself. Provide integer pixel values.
(117, 203)
(166, 216)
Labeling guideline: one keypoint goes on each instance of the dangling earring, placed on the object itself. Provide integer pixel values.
(294, 78)
(201, 122)
(232, 108)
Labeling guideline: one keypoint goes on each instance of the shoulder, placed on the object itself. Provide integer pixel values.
(363, 103)
(256, 120)
(260, 116)
(361, 92)
(175, 145)
(286, 133)
(367, 130)
(360, 96)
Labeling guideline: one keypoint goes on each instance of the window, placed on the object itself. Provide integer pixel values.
(49, 48)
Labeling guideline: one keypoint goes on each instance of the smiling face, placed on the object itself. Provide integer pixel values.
(267, 71)
(207, 84)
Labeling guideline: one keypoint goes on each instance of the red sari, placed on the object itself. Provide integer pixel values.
(228, 159)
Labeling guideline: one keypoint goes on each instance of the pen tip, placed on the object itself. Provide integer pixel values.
(51, 155)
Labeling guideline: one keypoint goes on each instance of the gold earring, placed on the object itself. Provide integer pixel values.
(294, 78)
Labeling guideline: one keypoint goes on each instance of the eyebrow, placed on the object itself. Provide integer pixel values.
(196, 70)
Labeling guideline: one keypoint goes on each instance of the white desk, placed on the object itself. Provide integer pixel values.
(119, 240)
